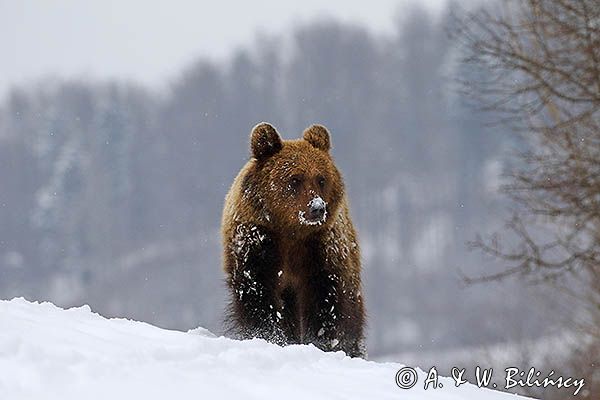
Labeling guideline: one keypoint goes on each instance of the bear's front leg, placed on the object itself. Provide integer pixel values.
(252, 259)
(335, 315)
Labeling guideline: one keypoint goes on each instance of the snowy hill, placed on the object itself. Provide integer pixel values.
(50, 353)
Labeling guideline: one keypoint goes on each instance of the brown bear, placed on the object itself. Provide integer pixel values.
(291, 256)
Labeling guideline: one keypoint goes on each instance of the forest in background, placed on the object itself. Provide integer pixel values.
(111, 194)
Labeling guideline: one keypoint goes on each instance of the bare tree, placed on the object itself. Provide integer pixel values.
(540, 67)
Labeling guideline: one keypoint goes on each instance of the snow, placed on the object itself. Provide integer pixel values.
(50, 353)
(317, 202)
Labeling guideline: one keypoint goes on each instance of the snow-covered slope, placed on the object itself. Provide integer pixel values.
(50, 353)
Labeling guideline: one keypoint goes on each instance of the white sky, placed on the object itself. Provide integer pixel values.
(150, 41)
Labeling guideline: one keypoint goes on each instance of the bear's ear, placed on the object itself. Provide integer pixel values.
(264, 141)
(318, 136)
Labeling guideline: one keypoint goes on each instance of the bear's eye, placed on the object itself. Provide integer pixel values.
(295, 182)
(321, 182)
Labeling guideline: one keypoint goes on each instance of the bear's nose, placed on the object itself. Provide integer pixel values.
(316, 209)
(316, 212)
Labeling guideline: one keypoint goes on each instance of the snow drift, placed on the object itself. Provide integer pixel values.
(50, 353)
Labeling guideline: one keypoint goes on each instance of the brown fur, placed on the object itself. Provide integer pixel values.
(292, 282)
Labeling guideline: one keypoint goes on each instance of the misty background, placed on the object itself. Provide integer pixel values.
(112, 180)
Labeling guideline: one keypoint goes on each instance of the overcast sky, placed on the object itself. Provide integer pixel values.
(150, 41)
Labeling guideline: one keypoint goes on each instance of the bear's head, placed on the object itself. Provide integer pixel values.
(294, 183)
